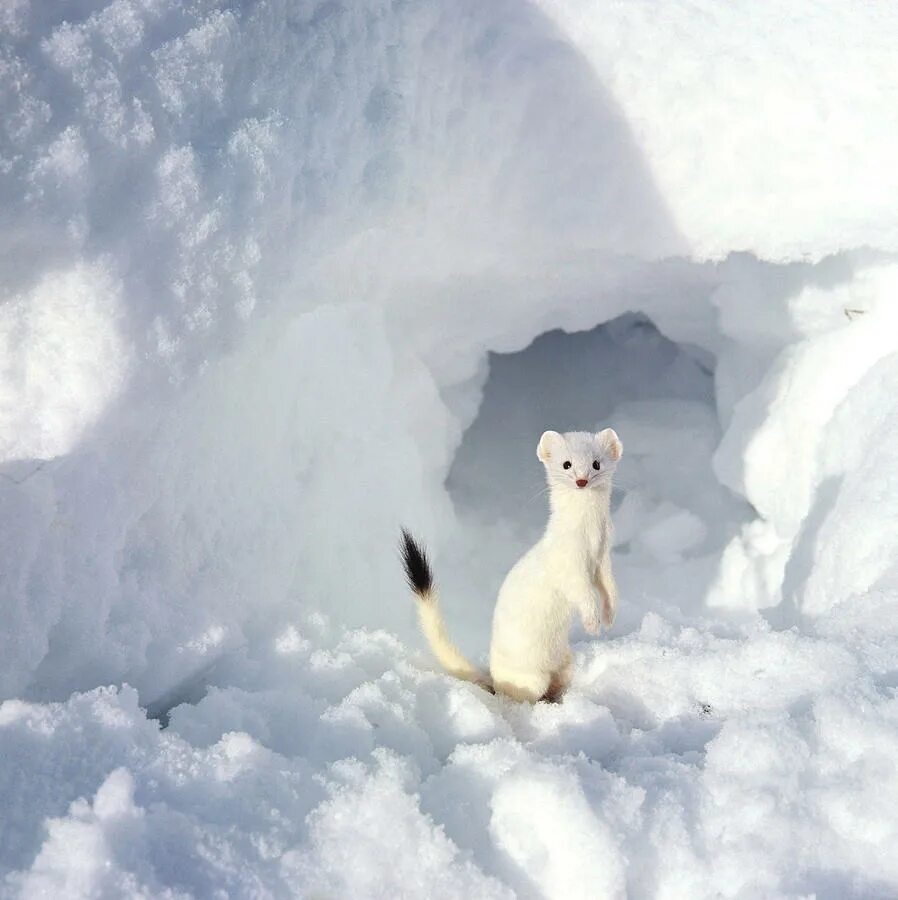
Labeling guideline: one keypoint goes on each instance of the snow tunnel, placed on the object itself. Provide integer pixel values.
(672, 517)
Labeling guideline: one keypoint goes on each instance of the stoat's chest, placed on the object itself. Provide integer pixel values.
(579, 538)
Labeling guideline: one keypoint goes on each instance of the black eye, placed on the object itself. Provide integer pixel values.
(596, 465)
(566, 465)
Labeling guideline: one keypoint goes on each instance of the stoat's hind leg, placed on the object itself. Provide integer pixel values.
(526, 685)
(560, 681)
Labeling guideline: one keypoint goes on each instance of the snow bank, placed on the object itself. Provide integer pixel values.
(816, 418)
(276, 277)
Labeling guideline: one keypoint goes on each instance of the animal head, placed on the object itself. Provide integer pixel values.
(579, 460)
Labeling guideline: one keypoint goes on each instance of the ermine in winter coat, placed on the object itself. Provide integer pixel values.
(567, 572)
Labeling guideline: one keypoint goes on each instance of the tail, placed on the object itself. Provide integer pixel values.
(420, 580)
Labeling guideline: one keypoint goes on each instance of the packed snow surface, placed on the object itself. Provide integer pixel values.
(277, 277)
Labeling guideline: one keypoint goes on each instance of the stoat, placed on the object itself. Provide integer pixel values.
(567, 571)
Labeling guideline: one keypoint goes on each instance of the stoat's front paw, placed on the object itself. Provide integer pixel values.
(591, 622)
(609, 610)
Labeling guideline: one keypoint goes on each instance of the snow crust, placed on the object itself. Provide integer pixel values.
(276, 277)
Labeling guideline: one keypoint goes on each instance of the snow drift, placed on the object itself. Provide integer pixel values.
(273, 280)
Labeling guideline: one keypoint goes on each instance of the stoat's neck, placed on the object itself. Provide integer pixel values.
(578, 517)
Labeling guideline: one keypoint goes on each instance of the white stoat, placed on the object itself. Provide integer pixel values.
(567, 571)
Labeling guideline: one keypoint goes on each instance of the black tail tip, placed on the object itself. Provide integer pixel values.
(416, 565)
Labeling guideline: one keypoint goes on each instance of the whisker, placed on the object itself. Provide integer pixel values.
(540, 493)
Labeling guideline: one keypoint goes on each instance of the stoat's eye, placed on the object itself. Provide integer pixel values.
(566, 464)
(596, 465)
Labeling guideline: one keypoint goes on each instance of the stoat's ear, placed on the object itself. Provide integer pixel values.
(612, 444)
(550, 443)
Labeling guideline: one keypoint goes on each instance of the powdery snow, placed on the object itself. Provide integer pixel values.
(682, 763)
(278, 277)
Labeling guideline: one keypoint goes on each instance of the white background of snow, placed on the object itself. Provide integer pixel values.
(254, 260)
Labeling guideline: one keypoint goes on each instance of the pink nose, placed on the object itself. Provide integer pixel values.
(582, 482)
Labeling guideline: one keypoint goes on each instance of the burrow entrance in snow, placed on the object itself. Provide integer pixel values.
(672, 516)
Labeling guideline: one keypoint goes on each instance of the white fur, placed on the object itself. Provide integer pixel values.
(450, 657)
(567, 571)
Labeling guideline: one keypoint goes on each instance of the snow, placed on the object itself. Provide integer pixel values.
(279, 277)
(766, 129)
(798, 416)
(64, 361)
(683, 763)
